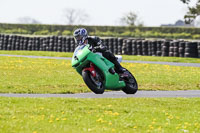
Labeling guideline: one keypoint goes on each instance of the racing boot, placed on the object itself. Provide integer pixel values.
(119, 68)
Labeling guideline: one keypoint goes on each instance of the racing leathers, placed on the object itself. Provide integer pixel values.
(98, 46)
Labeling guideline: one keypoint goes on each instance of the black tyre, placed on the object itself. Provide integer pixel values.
(95, 85)
(131, 84)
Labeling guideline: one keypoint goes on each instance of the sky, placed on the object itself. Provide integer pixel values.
(101, 12)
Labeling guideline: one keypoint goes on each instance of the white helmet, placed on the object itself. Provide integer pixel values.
(80, 35)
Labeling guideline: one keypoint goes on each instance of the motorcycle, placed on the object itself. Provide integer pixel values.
(99, 73)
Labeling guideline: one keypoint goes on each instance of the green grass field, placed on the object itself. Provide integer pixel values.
(26, 75)
(125, 115)
(125, 57)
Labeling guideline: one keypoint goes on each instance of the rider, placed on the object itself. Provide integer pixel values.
(81, 38)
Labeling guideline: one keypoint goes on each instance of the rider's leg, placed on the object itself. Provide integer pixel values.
(110, 56)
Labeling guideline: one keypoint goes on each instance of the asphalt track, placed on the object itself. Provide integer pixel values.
(115, 94)
(128, 61)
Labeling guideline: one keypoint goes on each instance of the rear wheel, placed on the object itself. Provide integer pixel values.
(131, 84)
(95, 84)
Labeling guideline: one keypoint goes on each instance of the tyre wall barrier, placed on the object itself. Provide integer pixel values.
(126, 46)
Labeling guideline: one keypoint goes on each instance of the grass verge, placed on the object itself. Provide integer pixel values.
(125, 57)
(143, 115)
(26, 75)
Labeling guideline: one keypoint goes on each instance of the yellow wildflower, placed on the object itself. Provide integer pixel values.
(64, 119)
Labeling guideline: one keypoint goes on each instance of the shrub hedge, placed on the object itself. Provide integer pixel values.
(111, 31)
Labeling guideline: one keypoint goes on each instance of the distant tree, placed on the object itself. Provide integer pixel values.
(185, 1)
(130, 19)
(193, 11)
(179, 23)
(28, 20)
(197, 21)
(73, 16)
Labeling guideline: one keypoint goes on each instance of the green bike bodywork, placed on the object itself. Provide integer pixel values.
(83, 56)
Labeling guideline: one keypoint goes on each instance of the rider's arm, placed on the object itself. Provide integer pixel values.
(99, 44)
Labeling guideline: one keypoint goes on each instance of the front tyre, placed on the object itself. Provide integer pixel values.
(131, 84)
(95, 84)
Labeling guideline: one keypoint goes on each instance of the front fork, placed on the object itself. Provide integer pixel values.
(91, 69)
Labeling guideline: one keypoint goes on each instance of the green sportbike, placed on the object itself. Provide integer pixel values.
(99, 73)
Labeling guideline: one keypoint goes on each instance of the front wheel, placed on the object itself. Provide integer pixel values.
(94, 83)
(131, 84)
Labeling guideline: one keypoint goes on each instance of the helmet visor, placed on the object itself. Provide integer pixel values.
(78, 38)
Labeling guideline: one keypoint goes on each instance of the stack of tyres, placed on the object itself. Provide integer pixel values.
(1, 42)
(181, 49)
(165, 48)
(134, 47)
(45, 44)
(154, 48)
(5, 42)
(191, 49)
(159, 48)
(198, 49)
(59, 45)
(124, 47)
(30, 44)
(110, 45)
(67, 44)
(50, 48)
(15, 44)
(9, 46)
(120, 43)
(51, 43)
(115, 45)
(149, 48)
(18, 44)
(73, 45)
(139, 47)
(23, 42)
(176, 49)
(41, 44)
(63, 44)
(37, 43)
(105, 42)
(32, 47)
(171, 49)
(145, 47)
(129, 46)
(56, 44)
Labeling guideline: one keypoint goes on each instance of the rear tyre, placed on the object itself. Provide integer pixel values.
(94, 84)
(131, 84)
